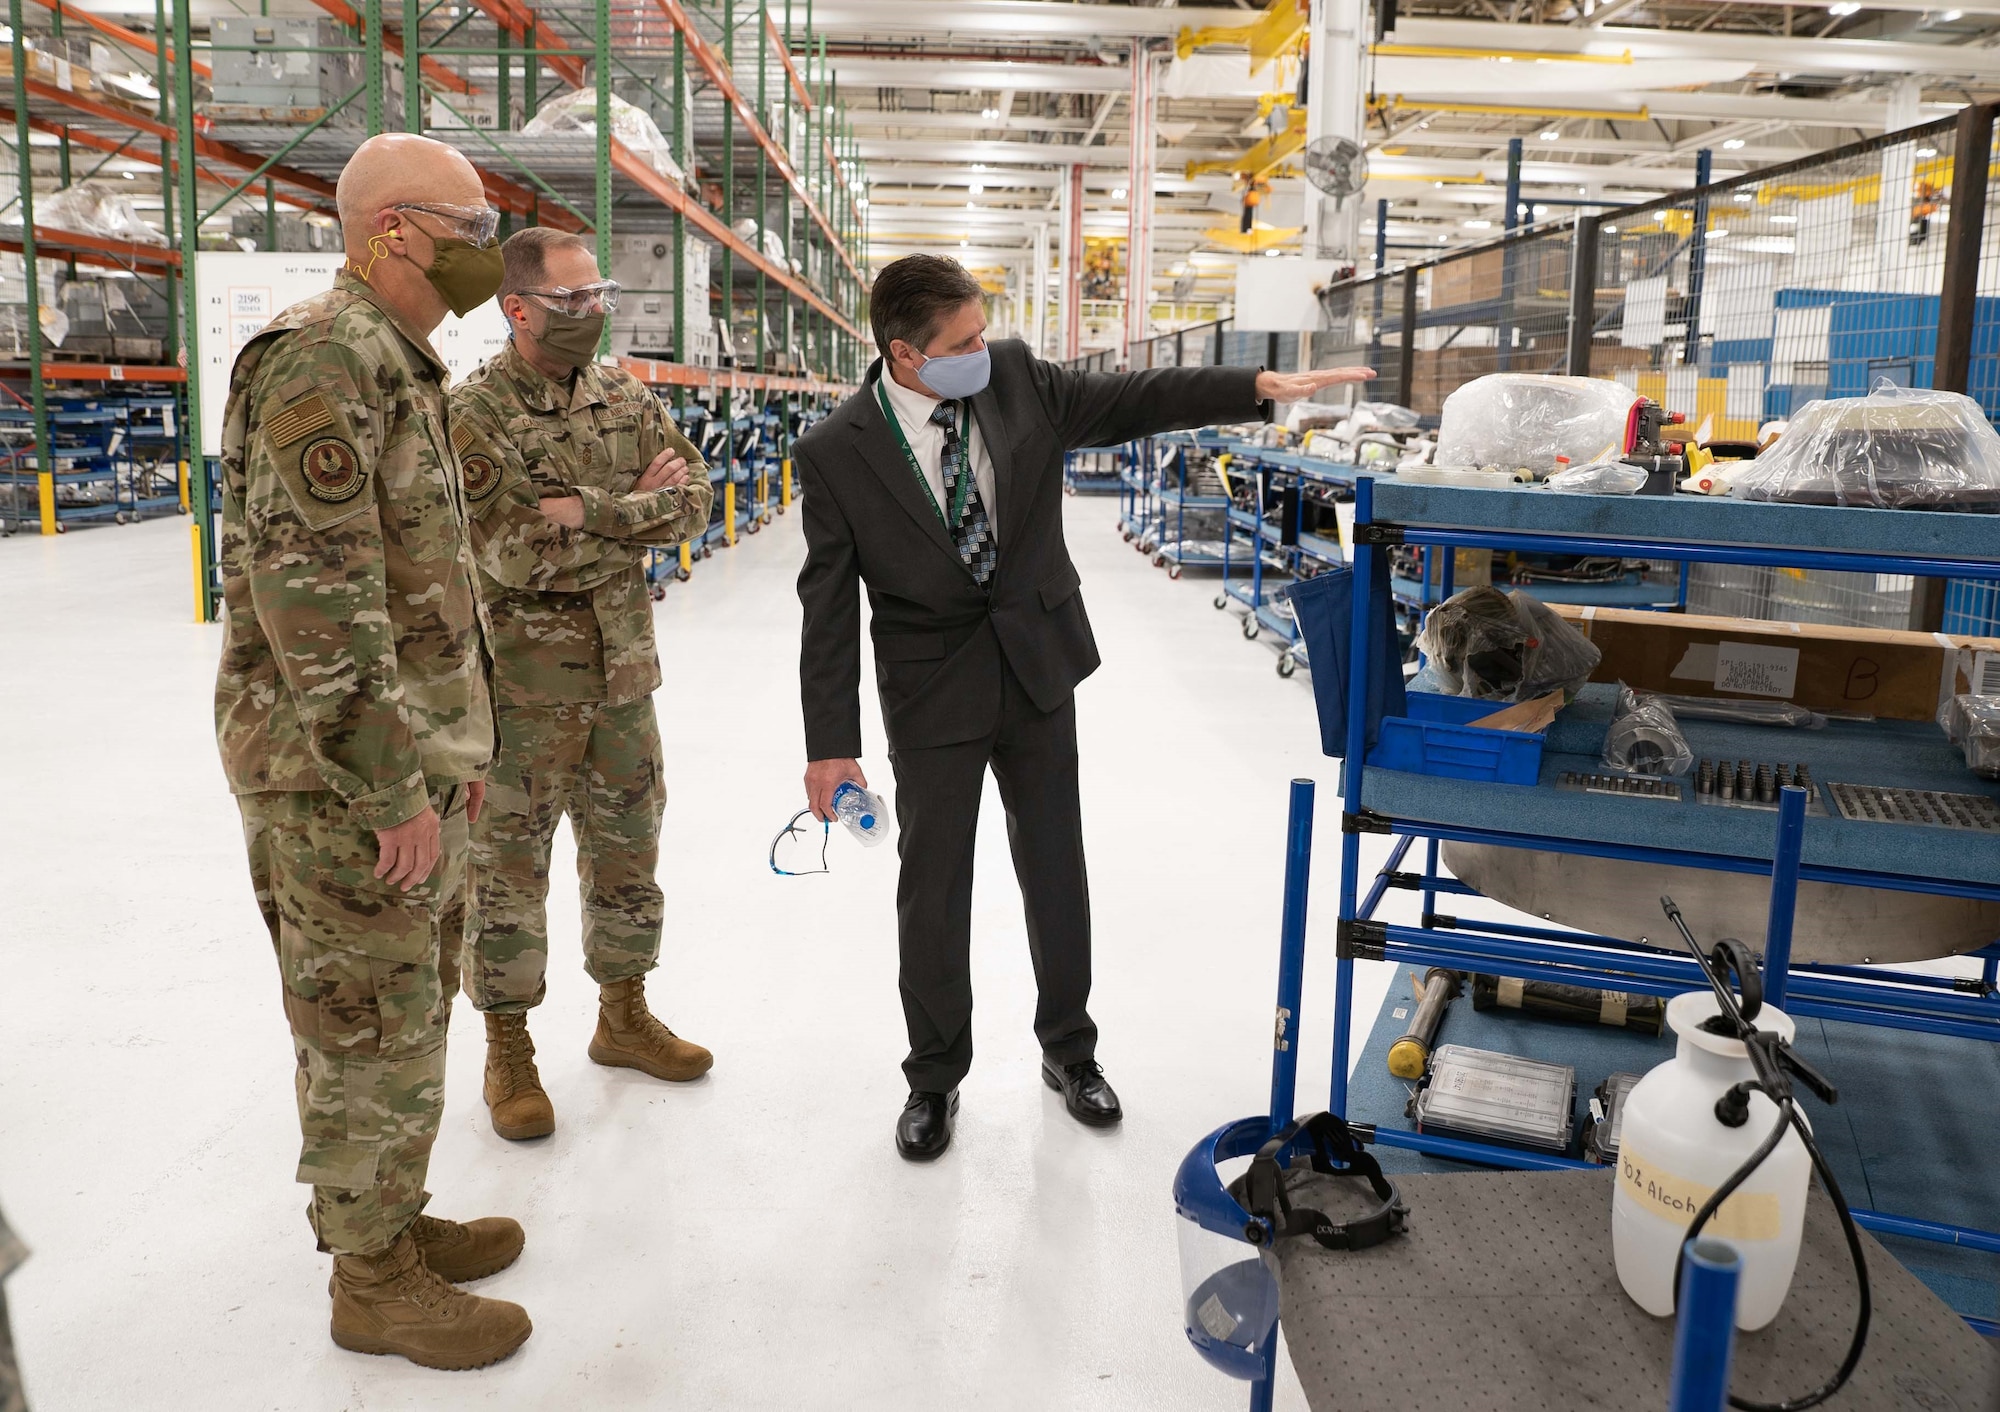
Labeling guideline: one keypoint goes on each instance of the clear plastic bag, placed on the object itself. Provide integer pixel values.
(1523, 421)
(577, 112)
(1503, 647)
(1973, 723)
(101, 208)
(1600, 478)
(1748, 713)
(1898, 448)
(1644, 738)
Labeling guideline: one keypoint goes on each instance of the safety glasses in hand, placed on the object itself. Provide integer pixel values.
(793, 848)
(598, 298)
(476, 225)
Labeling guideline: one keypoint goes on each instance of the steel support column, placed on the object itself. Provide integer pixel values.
(1072, 263)
(45, 461)
(1582, 294)
(413, 64)
(203, 531)
(1139, 202)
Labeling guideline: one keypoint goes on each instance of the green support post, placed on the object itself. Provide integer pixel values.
(531, 74)
(683, 151)
(728, 254)
(785, 197)
(270, 214)
(45, 480)
(763, 173)
(601, 74)
(163, 81)
(413, 67)
(504, 117)
(190, 204)
(371, 63)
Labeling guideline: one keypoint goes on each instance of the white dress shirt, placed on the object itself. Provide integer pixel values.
(926, 438)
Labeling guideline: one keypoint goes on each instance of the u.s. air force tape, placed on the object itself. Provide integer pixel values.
(481, 475)
(331, 470)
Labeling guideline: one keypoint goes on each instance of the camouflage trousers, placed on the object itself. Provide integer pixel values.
(369, 975)
(600, 765)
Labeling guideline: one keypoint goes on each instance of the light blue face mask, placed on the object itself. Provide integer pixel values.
(962, 375)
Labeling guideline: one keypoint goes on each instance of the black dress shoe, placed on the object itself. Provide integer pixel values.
(924, 1130)
(1085, 1093)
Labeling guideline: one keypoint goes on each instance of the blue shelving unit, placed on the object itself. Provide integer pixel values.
(1411, 807)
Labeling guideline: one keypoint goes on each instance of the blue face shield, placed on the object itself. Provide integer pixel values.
(959, 376)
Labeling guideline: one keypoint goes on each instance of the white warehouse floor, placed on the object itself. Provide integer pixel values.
(748, 1241)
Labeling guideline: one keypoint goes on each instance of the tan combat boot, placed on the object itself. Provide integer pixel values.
(628, 1037)
(514, 1093)
(468, 1250)
(394, 1303)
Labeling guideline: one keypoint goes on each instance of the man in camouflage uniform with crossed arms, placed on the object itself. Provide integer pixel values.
(356, 725)
(572, 470)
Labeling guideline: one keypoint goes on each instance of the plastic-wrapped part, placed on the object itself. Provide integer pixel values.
(1503, 647)
(100, 208)
(1898, 448)
(1644, 738)
(1748, 713)
(1599, 478)
(577, 112)
(1523, 421)
(1973, 723)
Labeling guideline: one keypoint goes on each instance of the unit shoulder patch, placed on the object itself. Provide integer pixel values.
(331, 470)
(481, 475)
(299, 420)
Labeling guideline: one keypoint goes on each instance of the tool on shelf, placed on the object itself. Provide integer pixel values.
(1411, 1055)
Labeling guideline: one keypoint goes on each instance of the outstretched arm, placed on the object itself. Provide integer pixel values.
(1107, 409)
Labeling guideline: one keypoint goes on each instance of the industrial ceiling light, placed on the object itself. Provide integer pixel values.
(990, 114)
(1478, 225)
(1784, 220)
(1117, 193)
(1927, 151)
(971, 206)
(1717, 232)
(1609, 230)
(1745, 197)
(1846, 7)
(862, 204)
(1541, 210)
(1551, 135)
(1949, 15)
(977, 188)
(1732, 144)
(964, 244)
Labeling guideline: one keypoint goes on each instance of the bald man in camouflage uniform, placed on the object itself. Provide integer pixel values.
(572, 471)
(356, 726)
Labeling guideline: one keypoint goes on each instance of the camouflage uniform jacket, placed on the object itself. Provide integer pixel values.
(572, 619)
(355, 657)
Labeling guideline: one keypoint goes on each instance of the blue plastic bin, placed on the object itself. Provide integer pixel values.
(1434, 739)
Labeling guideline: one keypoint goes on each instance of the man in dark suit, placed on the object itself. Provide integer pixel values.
(939, 485)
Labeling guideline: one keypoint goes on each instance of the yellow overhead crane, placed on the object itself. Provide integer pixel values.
(1280, 31)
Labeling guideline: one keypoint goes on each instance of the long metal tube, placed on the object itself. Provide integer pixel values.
(1704, 1326)
(1784, 893)
(45, 481)
(1291, 953)
(1361, 659)
(203, 531)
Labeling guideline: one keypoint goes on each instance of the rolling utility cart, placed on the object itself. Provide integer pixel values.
(1915, 835)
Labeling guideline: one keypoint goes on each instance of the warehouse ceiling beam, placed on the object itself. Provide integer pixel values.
(720, 74)
(1707, 107)
(440, 74)
(1012, 19)
(967, 76)
(1279, 32)
(1774, 53)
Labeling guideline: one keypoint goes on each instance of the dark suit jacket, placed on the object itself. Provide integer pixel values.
(939, 637)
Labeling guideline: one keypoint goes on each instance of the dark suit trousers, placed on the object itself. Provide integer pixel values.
(1033, 758)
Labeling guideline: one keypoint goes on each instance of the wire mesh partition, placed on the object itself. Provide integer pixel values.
(1495, 309)
(1740, 302)
(1361, 327)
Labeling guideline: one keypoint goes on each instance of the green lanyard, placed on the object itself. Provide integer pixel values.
(965, 475)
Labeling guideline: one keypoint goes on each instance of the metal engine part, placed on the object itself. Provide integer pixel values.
(1612, 897)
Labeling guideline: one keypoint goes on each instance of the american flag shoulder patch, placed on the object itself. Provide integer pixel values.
(300, 420)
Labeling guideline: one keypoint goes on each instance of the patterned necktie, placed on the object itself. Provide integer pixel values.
(972, 536)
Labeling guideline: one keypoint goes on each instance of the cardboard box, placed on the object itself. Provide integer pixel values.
(1902, 676)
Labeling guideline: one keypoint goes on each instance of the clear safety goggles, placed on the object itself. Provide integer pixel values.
(477, 226)
(598, 298)
(791, 850)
